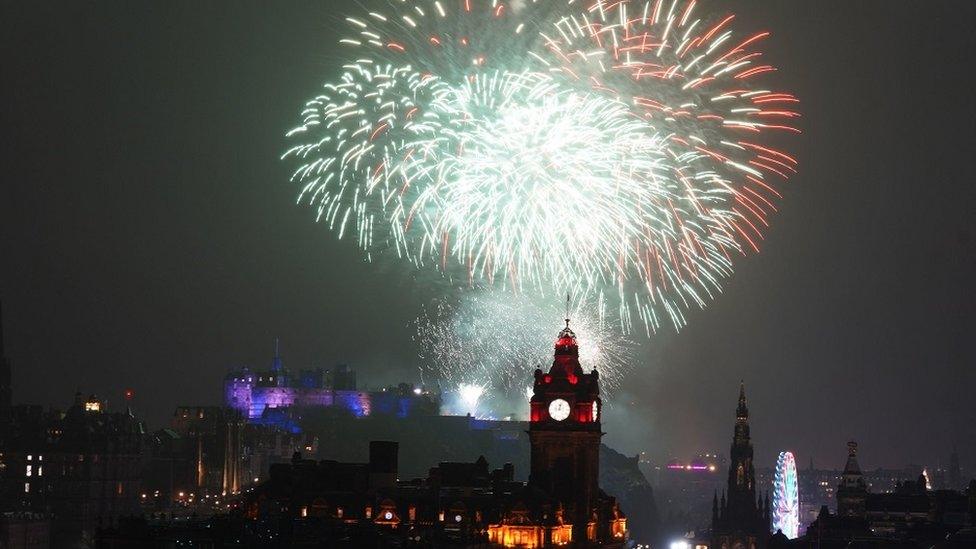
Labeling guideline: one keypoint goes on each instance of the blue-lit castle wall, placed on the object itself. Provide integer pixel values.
(268, 396)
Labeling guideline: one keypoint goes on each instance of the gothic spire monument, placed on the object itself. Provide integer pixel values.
(742, 520)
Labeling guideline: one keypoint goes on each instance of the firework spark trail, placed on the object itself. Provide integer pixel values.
(592, 146)
(494, 340)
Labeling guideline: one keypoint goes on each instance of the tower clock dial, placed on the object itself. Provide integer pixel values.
(559, 409)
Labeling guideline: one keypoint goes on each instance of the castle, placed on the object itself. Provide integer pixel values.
(270, 396)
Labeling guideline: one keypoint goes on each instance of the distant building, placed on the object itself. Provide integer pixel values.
(83, 466)
(215, 439)
(209, 453)
(912, 515)
(686, 488)
(742, 518)
(852, 493)
(268, 396)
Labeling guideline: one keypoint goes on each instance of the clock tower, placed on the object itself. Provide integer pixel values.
(564, 432)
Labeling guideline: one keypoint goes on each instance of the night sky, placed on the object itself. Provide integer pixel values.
(149, 237)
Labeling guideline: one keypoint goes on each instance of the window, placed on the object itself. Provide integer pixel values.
(30, 470)
(26, 487)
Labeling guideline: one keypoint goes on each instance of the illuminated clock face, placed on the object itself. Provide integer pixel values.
(559, 409)
(596, 411)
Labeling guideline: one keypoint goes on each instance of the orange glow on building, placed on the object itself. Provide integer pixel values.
(529, 536)
(618, 528)
(511, 535)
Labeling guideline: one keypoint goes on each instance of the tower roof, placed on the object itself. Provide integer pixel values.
(852, 479)
(566, 340)
(565, 362)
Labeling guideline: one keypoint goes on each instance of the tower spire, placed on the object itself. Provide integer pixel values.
(567, 310)
(742, 411)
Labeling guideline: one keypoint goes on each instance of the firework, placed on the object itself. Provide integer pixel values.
(607, 148)
(494, 341)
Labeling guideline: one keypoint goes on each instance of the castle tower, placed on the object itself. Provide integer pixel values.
(5, 373)
(564, 432)
(852, 492)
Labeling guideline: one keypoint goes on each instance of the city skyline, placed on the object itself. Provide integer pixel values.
(150, 240)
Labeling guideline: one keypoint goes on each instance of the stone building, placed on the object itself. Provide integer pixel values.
(741, 519)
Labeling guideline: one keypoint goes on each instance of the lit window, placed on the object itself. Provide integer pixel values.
(30, 470)
(40, 470)
(29, 457)
(26, 487)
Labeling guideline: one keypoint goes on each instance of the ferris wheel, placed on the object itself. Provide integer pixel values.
(786, 504)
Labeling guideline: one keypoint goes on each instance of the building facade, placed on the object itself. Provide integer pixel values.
(910, 515)
(82, 466)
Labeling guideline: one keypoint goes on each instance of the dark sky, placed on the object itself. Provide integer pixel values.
(149, 239)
